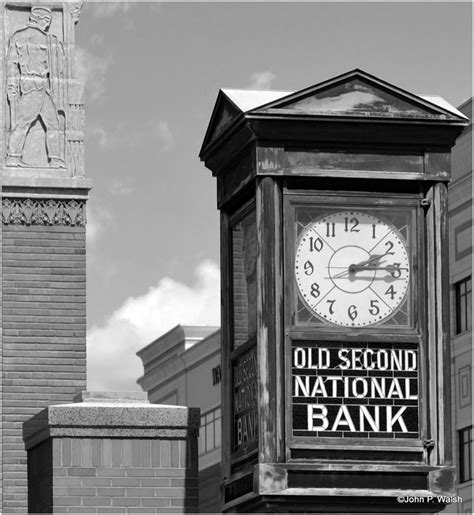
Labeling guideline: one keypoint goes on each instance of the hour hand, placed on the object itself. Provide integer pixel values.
(357, 267)
(371, 260)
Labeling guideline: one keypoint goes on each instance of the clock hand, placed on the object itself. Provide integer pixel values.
(359, 268)
(341, 274)
(391, 268)
(362, 265)
(375, 257)
(355, 267)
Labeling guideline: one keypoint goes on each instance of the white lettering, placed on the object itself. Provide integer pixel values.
(356, 355)
(322, 417)
(408, 390)
(363, 419)
(346, 362)
(365, 387)
(299, 358)
(347, 421)
(396, 418)
(319, 388)
(410, 355)
(365, 359)
(377, 383)
(374, 422)
(395, 389)
(380, 365)
(301, 389)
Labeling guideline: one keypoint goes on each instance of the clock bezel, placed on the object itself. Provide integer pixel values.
(332, 203)
(404, 300)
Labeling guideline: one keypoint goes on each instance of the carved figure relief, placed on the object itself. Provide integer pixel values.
(36, 89)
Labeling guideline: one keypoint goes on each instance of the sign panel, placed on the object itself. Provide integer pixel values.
(245, 413)
(352, 390)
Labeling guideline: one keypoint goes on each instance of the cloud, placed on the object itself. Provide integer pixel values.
(119, 189)
(165, 136)
(98, 134)
(261, 80)
(102, 9)
(91, 70)
(111, 360)
(98, 220)
(131, 137)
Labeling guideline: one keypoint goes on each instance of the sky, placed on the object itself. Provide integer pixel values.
(152, 72)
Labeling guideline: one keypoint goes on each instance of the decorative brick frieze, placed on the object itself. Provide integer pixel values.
(27, 211)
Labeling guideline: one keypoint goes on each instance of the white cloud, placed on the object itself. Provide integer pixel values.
(118, 188)
(98, 134)
(111, 360)
(165, 136)
(98, 219)
(131, 137)
(261, 80)
(91, 70)
(102, 9)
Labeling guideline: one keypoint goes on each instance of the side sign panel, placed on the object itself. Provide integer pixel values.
(245, 413)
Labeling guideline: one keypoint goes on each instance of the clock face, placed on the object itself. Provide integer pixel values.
(352, 268)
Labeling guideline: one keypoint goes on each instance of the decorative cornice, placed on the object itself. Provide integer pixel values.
(27, 211)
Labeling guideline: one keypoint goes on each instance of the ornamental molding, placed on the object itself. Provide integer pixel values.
(27, 211)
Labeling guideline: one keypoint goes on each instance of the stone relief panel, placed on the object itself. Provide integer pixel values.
(45, 106)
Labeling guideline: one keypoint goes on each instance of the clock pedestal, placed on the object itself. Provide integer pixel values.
(335, 321)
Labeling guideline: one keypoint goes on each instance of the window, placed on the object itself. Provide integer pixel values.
(210, 433)
(463, 305)
(465, 454)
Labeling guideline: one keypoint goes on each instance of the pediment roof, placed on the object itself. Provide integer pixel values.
(355, 95)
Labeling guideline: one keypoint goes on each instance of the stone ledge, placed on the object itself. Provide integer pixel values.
(32, 179)
(100, 417)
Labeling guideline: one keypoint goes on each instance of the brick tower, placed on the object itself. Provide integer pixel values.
(42, 259)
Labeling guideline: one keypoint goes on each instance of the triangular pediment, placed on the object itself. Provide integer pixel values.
(231, 104)
(357, 94)
(222, 118)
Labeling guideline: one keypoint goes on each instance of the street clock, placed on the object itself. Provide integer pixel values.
(334, 288)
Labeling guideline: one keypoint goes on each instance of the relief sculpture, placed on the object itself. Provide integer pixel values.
(35, 90)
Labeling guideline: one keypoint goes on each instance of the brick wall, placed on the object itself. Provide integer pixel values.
(120, 476)
(44, 335)
(1, 324)
(40, 484)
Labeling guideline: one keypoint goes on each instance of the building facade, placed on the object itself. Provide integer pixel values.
(460, 231)
(182, 368)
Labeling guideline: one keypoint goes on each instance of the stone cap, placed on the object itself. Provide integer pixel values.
(111, 397)
(95, 415)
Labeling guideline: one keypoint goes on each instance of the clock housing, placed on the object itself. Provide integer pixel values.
(313, 405)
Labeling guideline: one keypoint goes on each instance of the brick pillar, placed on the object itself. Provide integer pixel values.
(42, 242)
(113, 455)
(44, 334)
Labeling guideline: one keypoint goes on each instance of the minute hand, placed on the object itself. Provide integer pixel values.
(358, 268)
